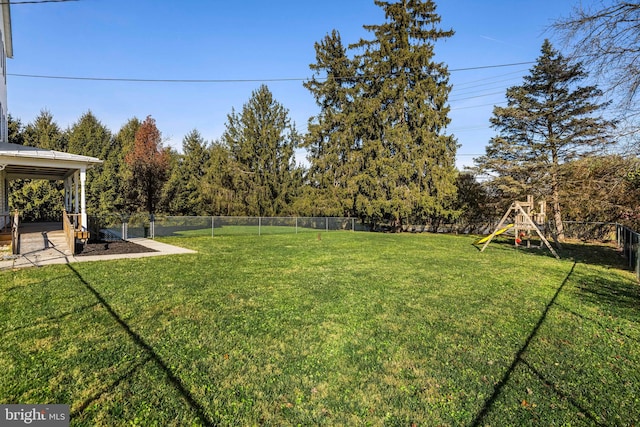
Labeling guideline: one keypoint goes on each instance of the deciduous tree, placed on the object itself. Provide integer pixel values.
(606, 36)
(600, 189)
(149, 163)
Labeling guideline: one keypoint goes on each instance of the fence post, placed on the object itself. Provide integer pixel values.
(637, 255)
(259, 226)
(629, 247)
(327, 223)
(212, 219)
(353, 224)
(296, 225)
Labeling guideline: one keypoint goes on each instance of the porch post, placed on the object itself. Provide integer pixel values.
(67, 193)
(83, 203)
(76, 193)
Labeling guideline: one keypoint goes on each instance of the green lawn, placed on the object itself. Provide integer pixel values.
(348, 329)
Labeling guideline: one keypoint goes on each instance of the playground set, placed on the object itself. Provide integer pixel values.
(525, 220)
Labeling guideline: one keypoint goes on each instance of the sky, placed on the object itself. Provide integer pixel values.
(241, 45)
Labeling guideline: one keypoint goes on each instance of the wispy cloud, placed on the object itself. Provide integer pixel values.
(491, 39)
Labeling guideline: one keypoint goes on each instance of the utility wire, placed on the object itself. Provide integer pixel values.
(127, 79)
(36, 1)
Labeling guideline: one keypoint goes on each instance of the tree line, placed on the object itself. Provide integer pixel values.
(378, 150)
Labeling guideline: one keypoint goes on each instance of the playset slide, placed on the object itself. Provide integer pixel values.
(484, 239)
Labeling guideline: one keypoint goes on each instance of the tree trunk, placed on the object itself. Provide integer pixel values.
(557, 214)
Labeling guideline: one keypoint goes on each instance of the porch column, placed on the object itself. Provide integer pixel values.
(76, 193)
(67, 193)
(3, 196)
(83, 202)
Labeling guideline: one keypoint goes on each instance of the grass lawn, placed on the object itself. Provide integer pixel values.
(349, 329)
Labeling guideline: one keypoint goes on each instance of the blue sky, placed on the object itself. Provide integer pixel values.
(252, 40)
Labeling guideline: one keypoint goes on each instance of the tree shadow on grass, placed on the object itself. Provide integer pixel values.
(518, 359)
(618, 296)
(151, 355)
(604, 255)
(601, 254)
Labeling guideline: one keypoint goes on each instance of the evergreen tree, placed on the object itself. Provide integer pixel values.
(261, 141)
(126, 197)
(182, 191)
(219, 184)
(548, 120)
(330, 140)
(149, 163)
(15, 131)
(385, 119)
(408, 171)
(38, 200)
(45, 133)
(89, 137)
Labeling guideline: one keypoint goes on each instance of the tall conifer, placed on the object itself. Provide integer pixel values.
(261, 141)
(549, 119)
(400, 163)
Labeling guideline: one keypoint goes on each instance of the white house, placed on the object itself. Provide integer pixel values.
(21, 162)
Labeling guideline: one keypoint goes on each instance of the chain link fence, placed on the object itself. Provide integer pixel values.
(116, 227)
(628, 240)
(124, 227)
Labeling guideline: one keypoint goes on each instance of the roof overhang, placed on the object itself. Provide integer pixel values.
(6, 23)
(22, 162)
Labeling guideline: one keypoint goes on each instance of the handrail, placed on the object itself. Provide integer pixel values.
(69, 231)
(15, 235)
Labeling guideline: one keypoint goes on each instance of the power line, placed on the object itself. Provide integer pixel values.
(134, 80)
(36, 1)
(145, 80)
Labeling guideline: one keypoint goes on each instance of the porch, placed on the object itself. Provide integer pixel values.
(23, 162)
(44, 240)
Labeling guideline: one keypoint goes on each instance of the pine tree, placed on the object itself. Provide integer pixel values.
(330, 141)
(126, 199)
(261, 141)
(39, 200)
(15, 130)
(183, 193)
(548, 120)
(218, 186)
(45, 133)
(408, 169)
(89, 137)
(387, 118)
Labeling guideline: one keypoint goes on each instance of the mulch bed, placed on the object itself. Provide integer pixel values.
(111, 248)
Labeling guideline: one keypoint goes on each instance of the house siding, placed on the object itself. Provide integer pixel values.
(4, 202)
(3, 76)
